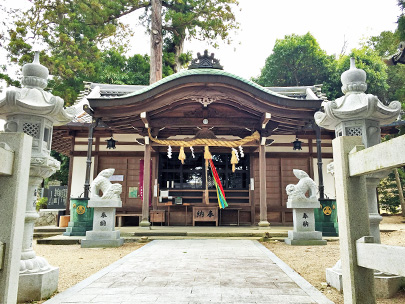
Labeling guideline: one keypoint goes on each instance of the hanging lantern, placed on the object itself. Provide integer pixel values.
(111, 143)
(297, 144)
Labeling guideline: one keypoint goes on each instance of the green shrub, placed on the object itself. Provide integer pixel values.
(388, 193)
(42, 203)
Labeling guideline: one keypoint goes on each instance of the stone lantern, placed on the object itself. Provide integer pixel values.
(34, 111)
(359, 114)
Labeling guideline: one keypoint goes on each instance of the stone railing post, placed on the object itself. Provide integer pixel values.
(15, 153)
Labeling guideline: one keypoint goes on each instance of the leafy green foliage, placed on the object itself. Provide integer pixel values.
(116, 68)
(78, 33)
(401, 20)
(63, 174)
(299, 60)
(42, 203)
(386, 45)
(296, 61)
(368, 60)
(388, 192)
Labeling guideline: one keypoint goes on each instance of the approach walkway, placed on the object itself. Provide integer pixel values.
(195, 271)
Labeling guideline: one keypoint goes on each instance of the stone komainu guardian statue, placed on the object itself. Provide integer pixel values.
(306, 184)
(102, 182)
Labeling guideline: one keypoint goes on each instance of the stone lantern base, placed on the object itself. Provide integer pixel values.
(386, 286)
(38, 286)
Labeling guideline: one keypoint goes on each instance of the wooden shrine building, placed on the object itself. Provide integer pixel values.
(149, 124)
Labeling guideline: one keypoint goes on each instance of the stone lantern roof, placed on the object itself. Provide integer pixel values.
(32, 99)
(356, 105)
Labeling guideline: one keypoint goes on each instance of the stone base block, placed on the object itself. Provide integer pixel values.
(334, 279)
(37, 286)
(265, 224)
(144, 224)
(103, 235)
(305, 235)
(386, 286)
(78, 228)
(304, 242)
(102, 243)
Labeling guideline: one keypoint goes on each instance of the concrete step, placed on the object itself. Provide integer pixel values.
(41, 235)
(209, 234)
(49, 229)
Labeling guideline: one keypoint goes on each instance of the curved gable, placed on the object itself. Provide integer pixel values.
(182, 101)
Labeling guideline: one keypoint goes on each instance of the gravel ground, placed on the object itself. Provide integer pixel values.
(77, 263)
(311, 261)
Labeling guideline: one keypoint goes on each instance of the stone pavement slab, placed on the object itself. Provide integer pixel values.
(195, 271)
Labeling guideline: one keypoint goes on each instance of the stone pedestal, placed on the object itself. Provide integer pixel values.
(304, 226)
(386, 286)
(38, 285)
(104, 233)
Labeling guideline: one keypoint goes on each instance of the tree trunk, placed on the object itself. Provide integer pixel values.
(178, 50)
(400, 192)
(156, 42)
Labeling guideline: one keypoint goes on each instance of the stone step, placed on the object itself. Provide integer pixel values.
(330, 233)
(212, 235)
(40, 235)
(49, 229)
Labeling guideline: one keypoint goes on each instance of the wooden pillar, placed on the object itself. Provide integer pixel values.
(146, 184)
(262, 177)
(319, 157)
(71, 159)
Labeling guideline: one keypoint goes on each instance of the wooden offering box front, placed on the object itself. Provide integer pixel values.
(205, 214)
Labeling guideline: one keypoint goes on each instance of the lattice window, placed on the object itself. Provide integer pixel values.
(354, 131)
(31, 129)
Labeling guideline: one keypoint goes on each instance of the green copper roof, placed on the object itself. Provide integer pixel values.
(206, 72)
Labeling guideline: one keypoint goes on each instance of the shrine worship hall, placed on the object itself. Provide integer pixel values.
(200, 147)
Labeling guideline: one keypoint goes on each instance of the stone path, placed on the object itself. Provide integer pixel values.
(195, 271)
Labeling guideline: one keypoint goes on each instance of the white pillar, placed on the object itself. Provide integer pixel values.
(352, 208)
(13, 194)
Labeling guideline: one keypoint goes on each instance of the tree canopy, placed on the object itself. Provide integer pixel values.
(299, 60)
(76, 32)
(296, 61)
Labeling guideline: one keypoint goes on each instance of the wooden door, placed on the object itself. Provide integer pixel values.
(279, 173)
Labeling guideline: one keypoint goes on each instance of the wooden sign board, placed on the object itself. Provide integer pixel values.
(205, 214)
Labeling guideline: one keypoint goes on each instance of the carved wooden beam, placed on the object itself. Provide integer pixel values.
(265, 119)
(145, 119)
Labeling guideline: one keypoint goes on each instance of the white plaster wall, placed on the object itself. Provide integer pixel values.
(79, 175)
(328, 180)
(2, 122)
